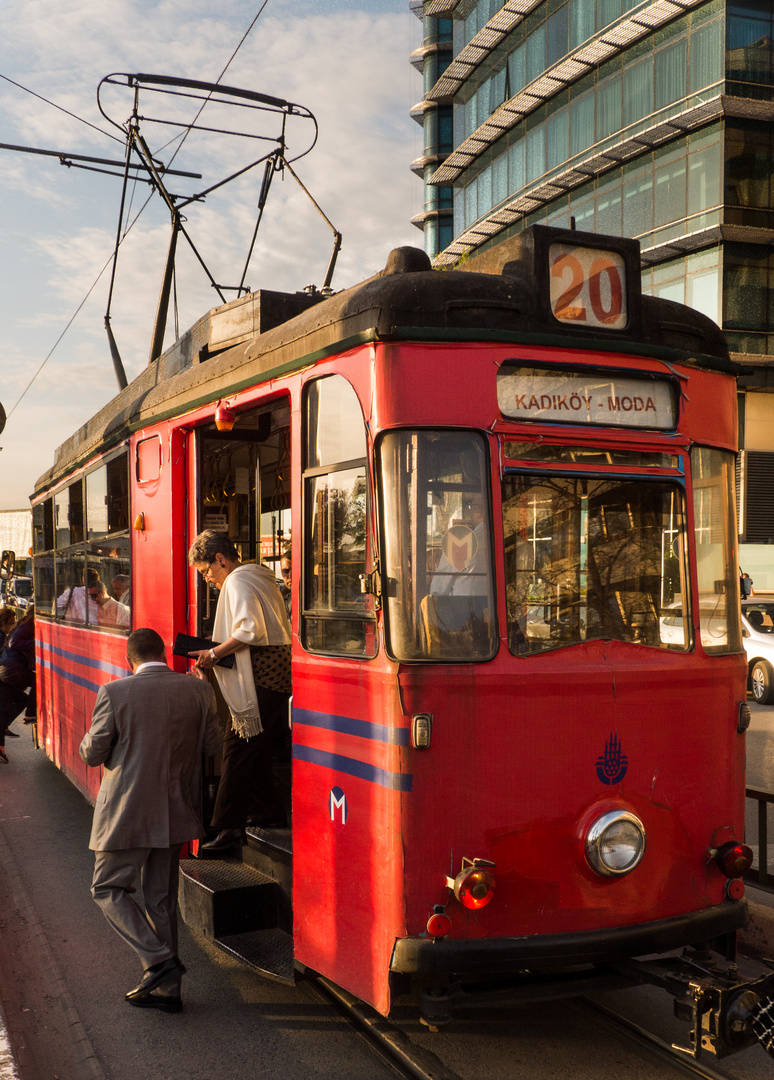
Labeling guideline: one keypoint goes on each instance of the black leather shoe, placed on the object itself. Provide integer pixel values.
(154, 976)
(268, 823)
(165, 1003)
(226, 838)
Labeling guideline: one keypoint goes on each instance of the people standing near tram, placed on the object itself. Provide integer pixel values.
(149, 731)
(17, 676)
(252, 624)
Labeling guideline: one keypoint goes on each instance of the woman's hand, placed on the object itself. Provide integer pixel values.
(204, 659)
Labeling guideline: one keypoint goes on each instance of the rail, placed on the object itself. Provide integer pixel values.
(760, 875)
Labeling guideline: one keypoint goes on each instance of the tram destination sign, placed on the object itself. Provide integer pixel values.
(582, 397)
(588, 286)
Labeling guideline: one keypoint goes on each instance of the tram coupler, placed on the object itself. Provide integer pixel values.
(435, 1006)
(726, 1014)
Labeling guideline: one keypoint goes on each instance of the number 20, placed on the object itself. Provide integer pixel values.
(565, 307)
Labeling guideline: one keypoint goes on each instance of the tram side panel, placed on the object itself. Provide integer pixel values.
(348, 783)
(72, 665)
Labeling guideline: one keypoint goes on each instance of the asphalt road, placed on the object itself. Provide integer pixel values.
(64, 972)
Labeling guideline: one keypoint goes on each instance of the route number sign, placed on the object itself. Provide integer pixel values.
(588, 286)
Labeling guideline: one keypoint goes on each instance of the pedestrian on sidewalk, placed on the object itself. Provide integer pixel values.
(17, 671)
(149, 731)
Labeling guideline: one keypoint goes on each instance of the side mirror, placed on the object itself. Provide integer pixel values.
(7, 565)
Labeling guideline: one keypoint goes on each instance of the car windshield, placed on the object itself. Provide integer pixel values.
(760, 617)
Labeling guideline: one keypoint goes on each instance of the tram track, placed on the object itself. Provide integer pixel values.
(646, 1040)
(406, 1059)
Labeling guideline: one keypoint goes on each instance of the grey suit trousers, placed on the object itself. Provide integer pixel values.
(152, 933)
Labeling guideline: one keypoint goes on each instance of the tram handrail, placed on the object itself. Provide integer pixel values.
(762, 798)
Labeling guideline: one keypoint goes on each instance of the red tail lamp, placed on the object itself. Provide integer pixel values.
(474, 886)
(225, 417)
(734, 859)
(439, 924)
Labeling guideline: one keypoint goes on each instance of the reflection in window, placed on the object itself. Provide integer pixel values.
(45, 586)
(593, 558)
(437, 546)
(73, 603)
(81, 564)
(715, 526)
(337, 616)
(43, 526)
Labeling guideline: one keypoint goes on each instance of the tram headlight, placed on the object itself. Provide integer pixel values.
(615, 843)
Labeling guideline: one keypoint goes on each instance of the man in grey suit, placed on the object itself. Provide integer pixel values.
(149, 731)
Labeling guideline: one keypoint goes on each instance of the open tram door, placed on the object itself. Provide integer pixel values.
(242, 486)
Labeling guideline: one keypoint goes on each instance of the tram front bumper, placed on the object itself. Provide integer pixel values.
(506, 955)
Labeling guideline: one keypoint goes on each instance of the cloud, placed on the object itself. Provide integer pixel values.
(346, 60)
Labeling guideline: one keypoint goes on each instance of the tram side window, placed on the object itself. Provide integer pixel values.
(589, 557)
(437, 575)
(712, 476)
(337, 616)
(43, 556)
(82, 565)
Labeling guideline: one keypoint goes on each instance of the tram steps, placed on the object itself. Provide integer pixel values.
(226, 897)
(269, 952)
(242, 910)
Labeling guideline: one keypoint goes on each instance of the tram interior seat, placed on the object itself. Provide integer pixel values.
(448, 621)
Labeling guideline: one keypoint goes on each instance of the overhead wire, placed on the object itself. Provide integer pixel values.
(61, 108)
(139, 212)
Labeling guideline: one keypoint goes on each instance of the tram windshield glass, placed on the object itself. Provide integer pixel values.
(591, 557)
(714, 514)
(437, 574)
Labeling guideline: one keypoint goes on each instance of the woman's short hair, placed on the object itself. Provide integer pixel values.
(210, 543)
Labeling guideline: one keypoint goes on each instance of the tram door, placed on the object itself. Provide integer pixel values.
(244, 490)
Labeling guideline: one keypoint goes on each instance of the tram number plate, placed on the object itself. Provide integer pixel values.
(588, 286)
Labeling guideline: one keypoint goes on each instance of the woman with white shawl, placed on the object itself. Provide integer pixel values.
(252, 624)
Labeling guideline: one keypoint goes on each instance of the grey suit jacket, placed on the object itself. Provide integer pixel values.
(149, 731)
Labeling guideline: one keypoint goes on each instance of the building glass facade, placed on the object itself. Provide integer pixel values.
(649, 119)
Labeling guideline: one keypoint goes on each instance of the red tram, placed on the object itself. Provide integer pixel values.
(519, 688)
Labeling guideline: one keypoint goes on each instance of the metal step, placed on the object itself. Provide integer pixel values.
(269, 952)
(225, 897)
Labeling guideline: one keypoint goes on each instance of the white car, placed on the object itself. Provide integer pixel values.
(758, 637)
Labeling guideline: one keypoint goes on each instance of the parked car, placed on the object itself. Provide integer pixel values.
(758, 637)
(19, 593)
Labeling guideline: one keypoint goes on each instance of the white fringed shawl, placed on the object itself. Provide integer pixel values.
(251, 609)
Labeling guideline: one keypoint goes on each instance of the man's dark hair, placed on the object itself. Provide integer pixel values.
(143, 645)
(210, 543)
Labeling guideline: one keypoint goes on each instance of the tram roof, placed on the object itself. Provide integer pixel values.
(268, 334)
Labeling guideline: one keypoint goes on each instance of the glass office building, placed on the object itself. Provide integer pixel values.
(649, 119)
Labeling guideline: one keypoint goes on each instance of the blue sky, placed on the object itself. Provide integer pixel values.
(346, 60)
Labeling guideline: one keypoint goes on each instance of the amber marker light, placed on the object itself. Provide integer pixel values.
(224, 417)
(475, 884)
(734, 859)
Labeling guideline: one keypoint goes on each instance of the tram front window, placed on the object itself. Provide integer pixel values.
(437, 573)
(593, 558)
